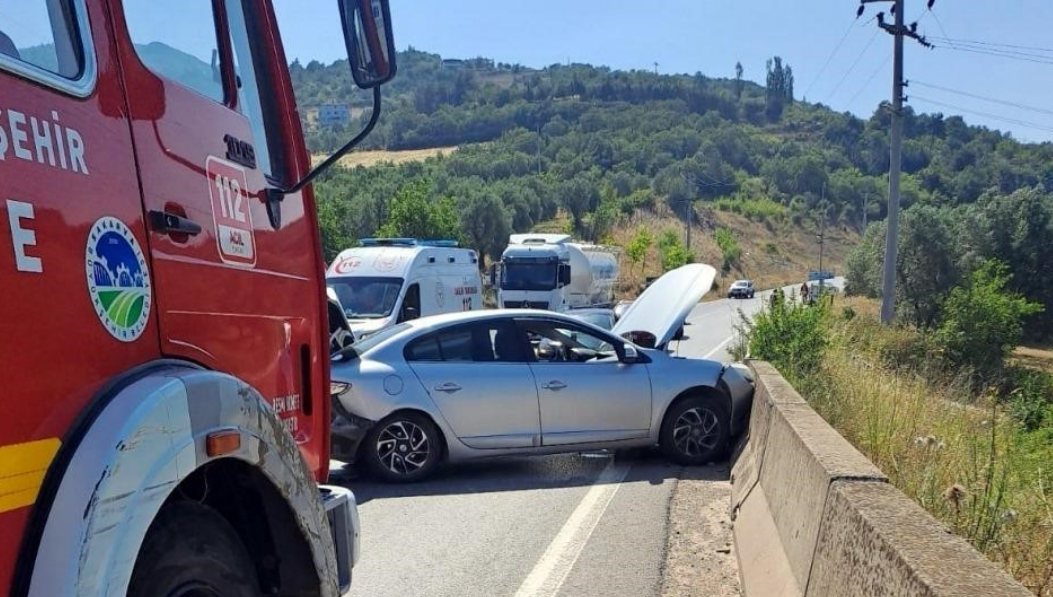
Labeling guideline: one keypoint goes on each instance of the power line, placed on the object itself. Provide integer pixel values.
(1010, 55)
(984, 98)
(856, 63)
(1018, 122)
(870, 80)
(974, 42)
(831, 56)
(939, 24)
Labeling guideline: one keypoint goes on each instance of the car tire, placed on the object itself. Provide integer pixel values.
(192, 549)
(695, 431)
(403, 448)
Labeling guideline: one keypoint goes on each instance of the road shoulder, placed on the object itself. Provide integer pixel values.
(700, 559)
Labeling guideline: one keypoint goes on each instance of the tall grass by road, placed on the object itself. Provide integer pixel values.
(952, 448)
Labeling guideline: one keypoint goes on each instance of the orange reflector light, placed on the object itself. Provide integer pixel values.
(219, 443)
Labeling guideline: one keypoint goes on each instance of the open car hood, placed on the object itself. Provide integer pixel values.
(663, 307)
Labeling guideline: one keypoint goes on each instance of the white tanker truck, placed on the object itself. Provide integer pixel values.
(553, 272)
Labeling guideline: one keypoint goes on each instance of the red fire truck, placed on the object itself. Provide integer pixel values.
(164, 405)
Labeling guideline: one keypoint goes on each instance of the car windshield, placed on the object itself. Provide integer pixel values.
(603, 320)
(366, 297)
(528, 275)
(373, 340)
(740, 284)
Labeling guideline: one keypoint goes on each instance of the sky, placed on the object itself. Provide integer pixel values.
(837, 60)
(710, 36)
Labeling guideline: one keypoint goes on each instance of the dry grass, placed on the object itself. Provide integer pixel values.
(1036, 357)
(773, 254)
(372, 158)
(955, 454)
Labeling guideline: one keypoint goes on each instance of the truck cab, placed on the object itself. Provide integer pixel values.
(385, 281)
(555, 273)
(169, 341)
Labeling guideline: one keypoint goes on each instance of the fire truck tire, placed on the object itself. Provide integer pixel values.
(403, 448)
(189, 551)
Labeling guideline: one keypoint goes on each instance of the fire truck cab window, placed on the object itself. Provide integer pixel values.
(41, 33)
(253, 78)
(178, 41)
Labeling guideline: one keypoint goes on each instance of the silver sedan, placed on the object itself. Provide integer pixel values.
(491, 383)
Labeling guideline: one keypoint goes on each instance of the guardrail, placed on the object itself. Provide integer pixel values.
(815, 518)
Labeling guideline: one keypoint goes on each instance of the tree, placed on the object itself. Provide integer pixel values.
(638, 246)
(672, 251)
(983, 321)
(729, 248)
(738, 81)
(486, 224)
(413, 215)
(779, 89)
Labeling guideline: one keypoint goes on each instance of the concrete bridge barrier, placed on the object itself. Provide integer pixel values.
(815, 518)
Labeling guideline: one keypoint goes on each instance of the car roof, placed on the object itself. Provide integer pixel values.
(424, 325)
(590, 311)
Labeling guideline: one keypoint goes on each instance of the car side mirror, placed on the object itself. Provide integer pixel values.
(410, 313)
(370, 45)
(628, 354)
(564, 274)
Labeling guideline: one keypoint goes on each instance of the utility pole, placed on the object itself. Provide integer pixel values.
(898, 31)
(866, 204)
(539, 150)
(822, 232)
(655, 68)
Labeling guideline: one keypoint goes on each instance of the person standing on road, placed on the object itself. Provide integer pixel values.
(804, 292)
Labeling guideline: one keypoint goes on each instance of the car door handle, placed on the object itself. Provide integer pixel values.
(554, 385)
(448, 387)
(169, 223)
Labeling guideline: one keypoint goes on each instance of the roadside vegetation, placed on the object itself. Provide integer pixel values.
(947, 413)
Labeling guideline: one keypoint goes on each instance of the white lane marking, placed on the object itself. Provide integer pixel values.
(547, 577)
(719, 346)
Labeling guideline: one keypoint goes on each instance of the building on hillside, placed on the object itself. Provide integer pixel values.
(453, 63)
(330, 115)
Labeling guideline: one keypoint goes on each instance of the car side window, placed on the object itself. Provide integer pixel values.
(178, 41)
(559, 342)
(484, 342)
(43, 34)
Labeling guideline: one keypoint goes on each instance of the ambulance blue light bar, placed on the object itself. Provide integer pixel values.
(406, 242)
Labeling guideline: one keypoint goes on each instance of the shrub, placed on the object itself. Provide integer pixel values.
(983, 321)
(1030, 395)
(790, 335)
(729, 248)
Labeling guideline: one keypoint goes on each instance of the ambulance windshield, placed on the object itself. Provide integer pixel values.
(366, 297)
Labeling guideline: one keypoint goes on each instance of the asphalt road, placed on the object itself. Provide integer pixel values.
(569, 525)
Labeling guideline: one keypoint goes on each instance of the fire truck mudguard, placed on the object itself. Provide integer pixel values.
(148, 445)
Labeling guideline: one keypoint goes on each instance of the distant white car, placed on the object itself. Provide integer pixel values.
(475, 385)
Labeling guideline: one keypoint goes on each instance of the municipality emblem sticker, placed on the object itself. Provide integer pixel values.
(118, 279)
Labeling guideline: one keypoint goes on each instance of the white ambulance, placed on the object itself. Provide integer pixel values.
(385, 281)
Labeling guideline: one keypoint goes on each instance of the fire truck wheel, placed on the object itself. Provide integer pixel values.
(403, 448)
(192, 551)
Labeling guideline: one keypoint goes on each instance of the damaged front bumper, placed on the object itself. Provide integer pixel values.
(348, 430)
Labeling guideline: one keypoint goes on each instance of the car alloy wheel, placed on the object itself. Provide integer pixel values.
(696, 432)
(403, 447)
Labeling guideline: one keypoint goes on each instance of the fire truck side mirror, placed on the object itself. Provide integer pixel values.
(370, 45)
